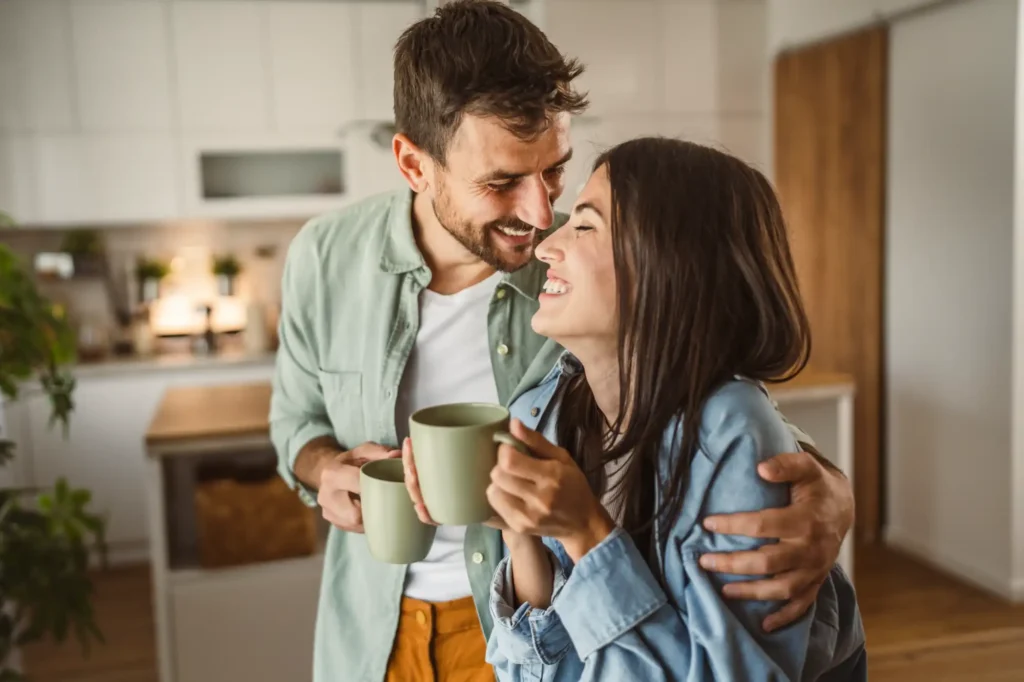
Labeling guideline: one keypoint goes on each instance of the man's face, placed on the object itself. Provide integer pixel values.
(496, 191)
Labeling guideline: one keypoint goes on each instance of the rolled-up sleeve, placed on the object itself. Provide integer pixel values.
(297, 410)
(524, 639)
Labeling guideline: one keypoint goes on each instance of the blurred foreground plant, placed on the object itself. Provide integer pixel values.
(46, 537)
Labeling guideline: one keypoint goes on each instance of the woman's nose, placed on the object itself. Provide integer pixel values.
(550, 250)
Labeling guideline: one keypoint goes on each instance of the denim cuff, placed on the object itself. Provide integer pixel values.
(525, 634)
(611, 590)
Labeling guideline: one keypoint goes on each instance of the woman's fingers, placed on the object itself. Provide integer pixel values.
(510, 508)
(511, 483)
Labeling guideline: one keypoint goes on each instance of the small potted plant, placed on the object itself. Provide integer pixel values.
(149, 272)
(226, 269)
(46, 536)
(86, 249)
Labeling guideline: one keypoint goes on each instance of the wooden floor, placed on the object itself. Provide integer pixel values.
(920, 625)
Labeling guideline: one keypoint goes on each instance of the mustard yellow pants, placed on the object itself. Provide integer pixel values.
(439, 642)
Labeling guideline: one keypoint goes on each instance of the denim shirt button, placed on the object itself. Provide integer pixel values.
(534, 412)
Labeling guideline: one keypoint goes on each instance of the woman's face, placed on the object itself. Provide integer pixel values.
(579, 303)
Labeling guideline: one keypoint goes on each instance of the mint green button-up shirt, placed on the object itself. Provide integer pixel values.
(349, 319)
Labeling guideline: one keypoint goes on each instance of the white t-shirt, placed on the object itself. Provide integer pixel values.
(451, 362)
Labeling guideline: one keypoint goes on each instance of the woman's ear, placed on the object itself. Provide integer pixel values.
(415, 165)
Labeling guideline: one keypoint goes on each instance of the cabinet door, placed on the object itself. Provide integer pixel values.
(378, 28)
(105, 448)
(95, 178)
(43, 41)
(220, 60)
(12, 116)
(103, 451)
(13, 427)
(122, 65)
(217, 620)
(624, 79)
(16, 171)
(311, 62)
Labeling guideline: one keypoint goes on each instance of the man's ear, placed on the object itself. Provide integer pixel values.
(415, 165)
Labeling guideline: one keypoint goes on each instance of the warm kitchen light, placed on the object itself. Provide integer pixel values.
(176, 315)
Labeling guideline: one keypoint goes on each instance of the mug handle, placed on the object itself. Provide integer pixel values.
(506, 438)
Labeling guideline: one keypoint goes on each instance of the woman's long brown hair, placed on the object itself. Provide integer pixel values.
(707, 290)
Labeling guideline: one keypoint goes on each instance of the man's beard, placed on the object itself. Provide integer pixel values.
(479, 239)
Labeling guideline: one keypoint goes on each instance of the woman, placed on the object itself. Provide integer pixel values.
(673, 290)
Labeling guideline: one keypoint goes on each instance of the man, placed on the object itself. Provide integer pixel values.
(425, 296)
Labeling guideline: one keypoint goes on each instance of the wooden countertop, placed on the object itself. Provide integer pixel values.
(198, 413)
(210, 413)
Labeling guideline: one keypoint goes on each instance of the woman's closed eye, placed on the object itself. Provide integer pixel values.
(584, 228)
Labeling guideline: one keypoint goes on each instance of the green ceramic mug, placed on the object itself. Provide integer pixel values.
(394, 533)
(455, 446)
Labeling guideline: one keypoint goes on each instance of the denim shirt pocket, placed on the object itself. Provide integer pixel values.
(343, 398)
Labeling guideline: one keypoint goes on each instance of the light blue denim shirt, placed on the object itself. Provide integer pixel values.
(611, 619)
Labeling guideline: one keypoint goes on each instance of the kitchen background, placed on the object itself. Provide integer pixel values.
(157, 157)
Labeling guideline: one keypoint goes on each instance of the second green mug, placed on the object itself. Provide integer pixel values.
(455, 446)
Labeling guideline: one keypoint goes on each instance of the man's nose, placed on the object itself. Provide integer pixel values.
(535, 207)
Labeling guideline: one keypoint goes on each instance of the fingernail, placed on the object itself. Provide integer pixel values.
(710, 524)
(707, 563)
(769, 469)
(728, 590)
(769, 625)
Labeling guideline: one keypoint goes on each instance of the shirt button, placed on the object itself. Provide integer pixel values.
(421, 618)
(502, 349)
(500, 294)
(534, 412)
(478, 558)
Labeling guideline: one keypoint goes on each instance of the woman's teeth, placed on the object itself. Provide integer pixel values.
(515, 231)
(554, 287)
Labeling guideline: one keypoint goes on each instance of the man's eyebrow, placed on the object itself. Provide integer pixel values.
(587, 205)
(498, 175)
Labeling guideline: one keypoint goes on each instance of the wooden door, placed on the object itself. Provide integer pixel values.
(830, 112)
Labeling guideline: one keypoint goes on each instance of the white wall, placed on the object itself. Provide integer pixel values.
(949, 284)
(794, 22)
(1017, 416)
(688, 68)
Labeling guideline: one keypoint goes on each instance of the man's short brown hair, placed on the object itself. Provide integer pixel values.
(483, 58)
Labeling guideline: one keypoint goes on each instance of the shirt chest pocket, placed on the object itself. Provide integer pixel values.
(343, 398)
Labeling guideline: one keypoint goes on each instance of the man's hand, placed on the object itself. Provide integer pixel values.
(810, 532)
(335, 475)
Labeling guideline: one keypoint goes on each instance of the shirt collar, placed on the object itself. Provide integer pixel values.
(400, 252)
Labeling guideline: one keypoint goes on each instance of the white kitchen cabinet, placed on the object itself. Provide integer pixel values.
(17, 197)
(105, 178)
(12, 117)
(742, 67)
(43, 46)
(220, 58)
(625, 79)
(122, 69)
(218, 615)
(312, 65)
(689, 36)
(105, 449)
(379, 26)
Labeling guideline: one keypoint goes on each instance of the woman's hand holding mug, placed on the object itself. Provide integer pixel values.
(546, 494)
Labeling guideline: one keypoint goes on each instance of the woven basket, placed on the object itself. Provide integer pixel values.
(243, 522)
